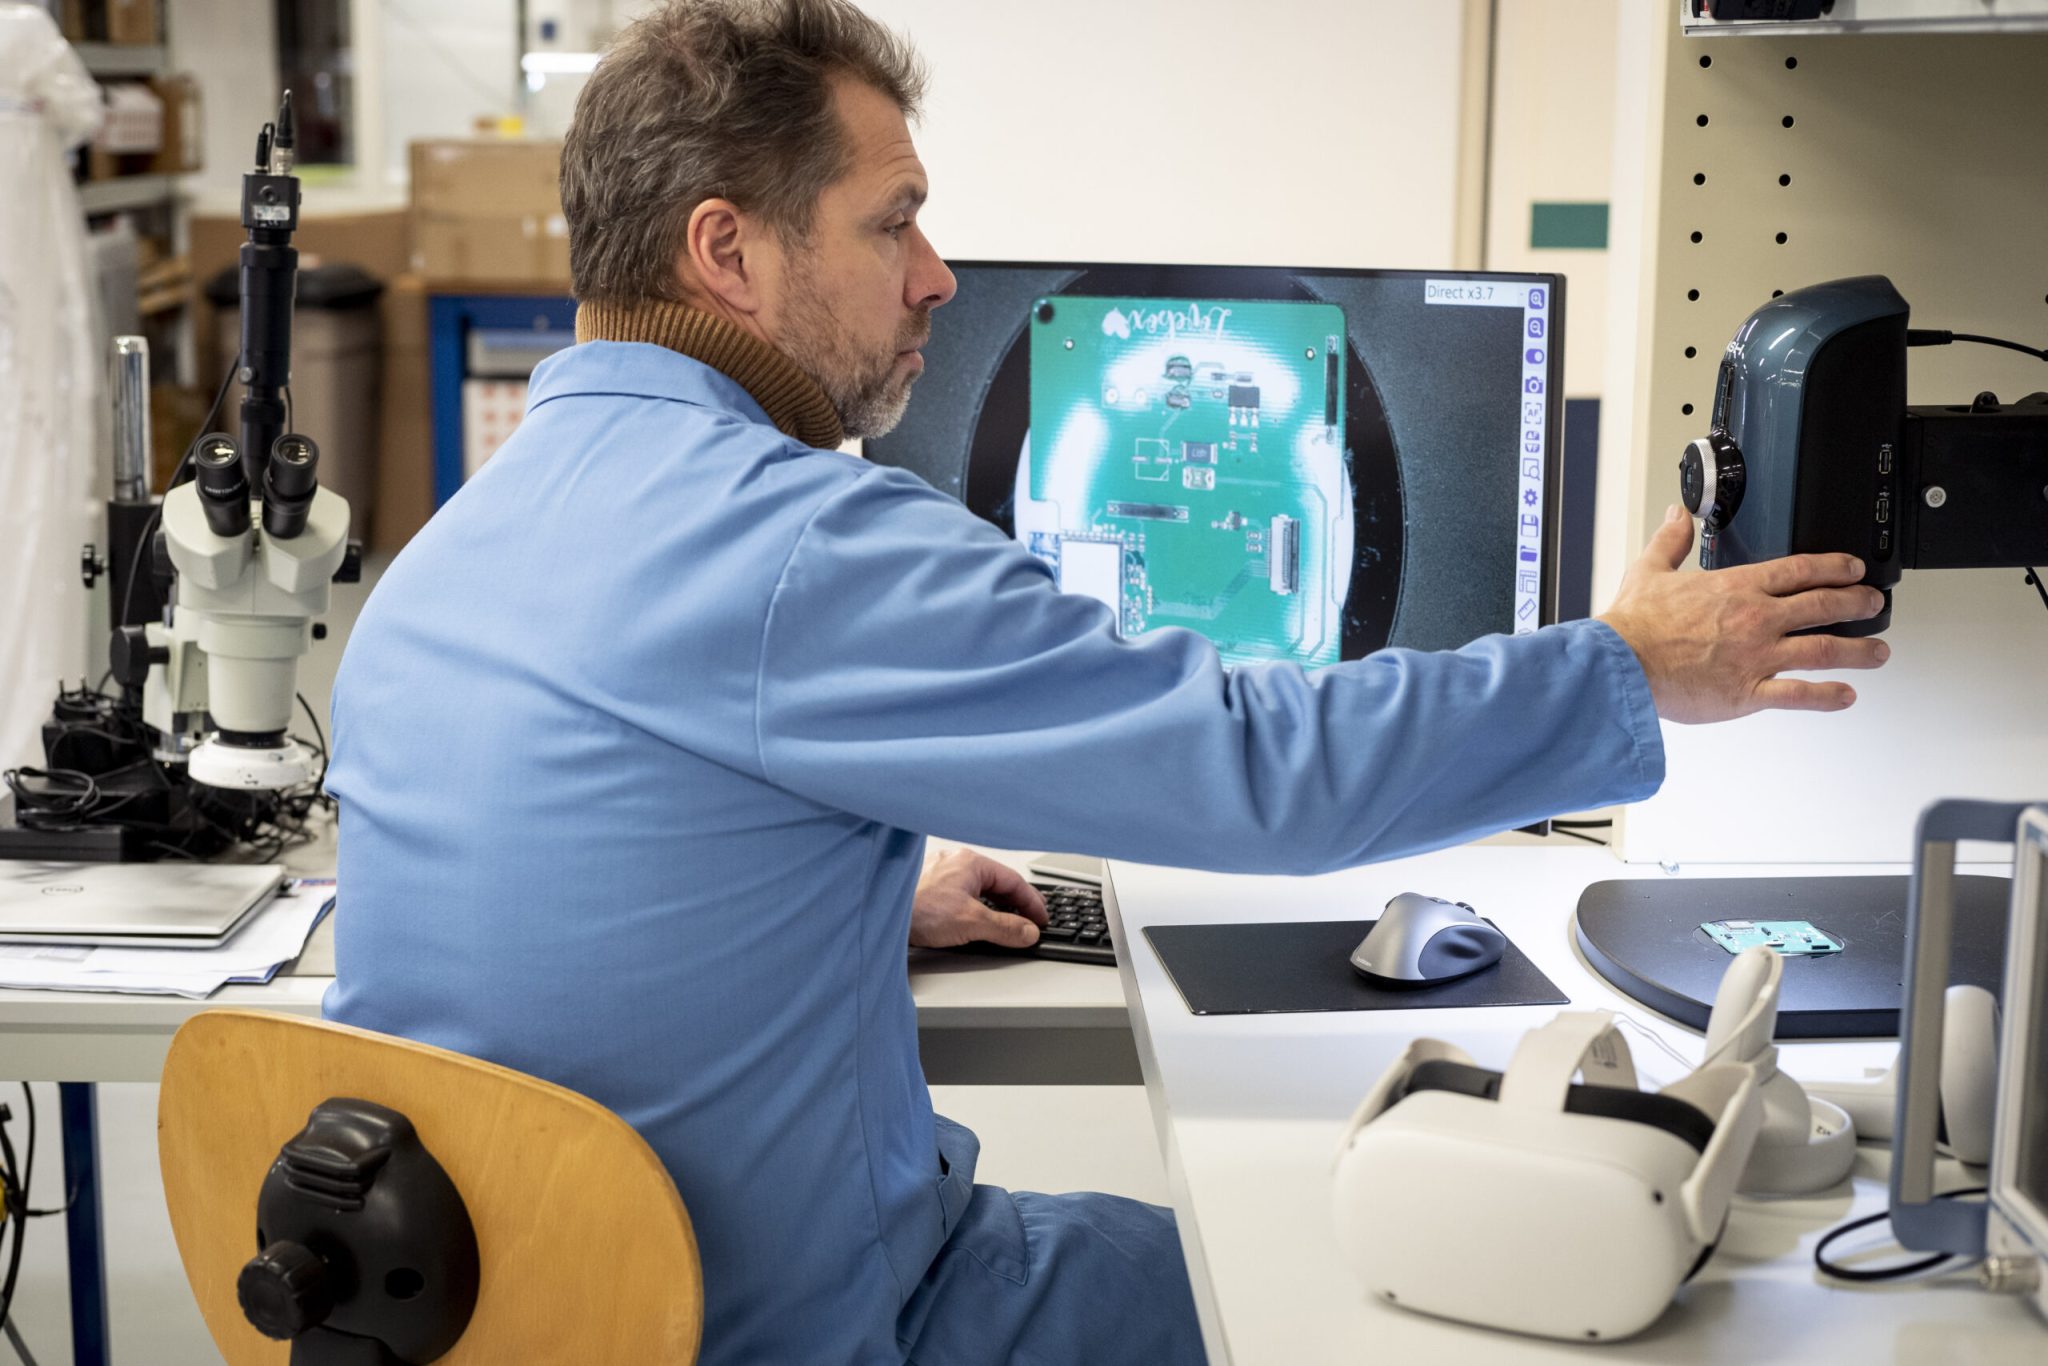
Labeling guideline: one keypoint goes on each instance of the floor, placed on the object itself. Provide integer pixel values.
(1033, 1138)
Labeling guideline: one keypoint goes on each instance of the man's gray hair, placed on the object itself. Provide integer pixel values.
(704, 99)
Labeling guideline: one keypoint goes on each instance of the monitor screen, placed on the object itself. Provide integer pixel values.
(1301, 465)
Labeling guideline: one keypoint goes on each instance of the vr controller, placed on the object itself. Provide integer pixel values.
(1812, 448)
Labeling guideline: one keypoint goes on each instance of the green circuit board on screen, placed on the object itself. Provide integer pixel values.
(1187, 467)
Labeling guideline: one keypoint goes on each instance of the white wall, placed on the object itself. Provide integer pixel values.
(442, 64)
(231, 47)
(1899, 161)
(1552, 142)
(1293, 132)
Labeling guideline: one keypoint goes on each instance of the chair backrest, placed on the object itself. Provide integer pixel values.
(586, 1252)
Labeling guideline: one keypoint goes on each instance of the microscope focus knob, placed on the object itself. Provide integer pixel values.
(1711, 479)
(351, 567)
(285, 1289)
(130, 655)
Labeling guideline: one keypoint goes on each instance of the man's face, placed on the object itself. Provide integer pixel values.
(856, 297)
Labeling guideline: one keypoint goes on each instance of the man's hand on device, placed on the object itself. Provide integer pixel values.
(1713, 644)
(947, 910)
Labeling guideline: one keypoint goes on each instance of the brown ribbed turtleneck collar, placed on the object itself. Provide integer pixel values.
(791, 398)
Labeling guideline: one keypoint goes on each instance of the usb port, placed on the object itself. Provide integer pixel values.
(1884, 507)
(1884, 459)
(1884, 542)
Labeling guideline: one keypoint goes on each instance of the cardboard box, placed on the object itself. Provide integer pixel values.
(134, 120)
(184, 136)
(405, 445)
(486, 212)
(486, 177)
(530, 252)
(132, 22)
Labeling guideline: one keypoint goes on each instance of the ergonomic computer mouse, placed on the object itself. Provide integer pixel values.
(1420, 939)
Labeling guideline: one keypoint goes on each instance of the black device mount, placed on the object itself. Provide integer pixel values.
(270, 266)
(366, 1253)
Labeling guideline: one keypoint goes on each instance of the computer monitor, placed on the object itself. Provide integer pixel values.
(1301, 465)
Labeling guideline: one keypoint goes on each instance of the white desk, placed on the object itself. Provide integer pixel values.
(1249, 1109)
(980, 1019)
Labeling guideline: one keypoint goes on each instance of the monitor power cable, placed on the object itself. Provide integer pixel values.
(1934, 336)
(1880, 1273)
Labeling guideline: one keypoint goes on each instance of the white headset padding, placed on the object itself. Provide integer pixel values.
(1969, 1071)
(1418, 1051)
(1727, 1093)
(1547, 1059)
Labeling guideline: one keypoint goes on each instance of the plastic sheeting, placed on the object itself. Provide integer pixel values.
(52, 409)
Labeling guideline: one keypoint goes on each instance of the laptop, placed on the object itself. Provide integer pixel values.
(132, 905)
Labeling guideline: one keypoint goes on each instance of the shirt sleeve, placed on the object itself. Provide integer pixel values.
(920, 669)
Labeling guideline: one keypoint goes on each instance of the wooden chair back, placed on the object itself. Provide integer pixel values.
(586, 1252)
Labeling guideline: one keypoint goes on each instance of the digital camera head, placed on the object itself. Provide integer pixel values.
(1802, 452)
(1813, 449)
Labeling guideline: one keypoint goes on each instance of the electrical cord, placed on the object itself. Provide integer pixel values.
(16, 1213)
(1557, 829)
(189, 820)
(20, 1347)
(1881, 1273)
(2034, 578)
(1934, 336)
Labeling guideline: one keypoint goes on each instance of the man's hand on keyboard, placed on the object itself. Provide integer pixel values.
(948, 911)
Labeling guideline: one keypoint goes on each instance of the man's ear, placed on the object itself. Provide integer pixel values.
(725, 257)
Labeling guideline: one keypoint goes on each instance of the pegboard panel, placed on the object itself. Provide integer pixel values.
(1784, 163)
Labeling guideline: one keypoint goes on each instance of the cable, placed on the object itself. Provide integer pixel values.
(1881, 1273)
(2034, 578)
(20, 1348)
(1582, 825)
(1557, 829)
(17, 1206)
(1934, 336)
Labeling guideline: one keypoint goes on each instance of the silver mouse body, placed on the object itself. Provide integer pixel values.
(1420, 939)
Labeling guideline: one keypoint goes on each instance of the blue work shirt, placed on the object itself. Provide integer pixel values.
(638, 742)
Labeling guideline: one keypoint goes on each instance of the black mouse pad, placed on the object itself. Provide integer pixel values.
(1291, 966)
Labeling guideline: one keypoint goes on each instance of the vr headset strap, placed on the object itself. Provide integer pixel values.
(1577, 1041)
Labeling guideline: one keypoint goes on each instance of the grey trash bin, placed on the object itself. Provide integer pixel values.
(336, 355)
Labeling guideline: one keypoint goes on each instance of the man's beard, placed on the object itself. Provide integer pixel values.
(863, 386)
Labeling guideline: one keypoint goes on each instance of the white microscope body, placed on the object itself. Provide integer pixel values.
(245, 606)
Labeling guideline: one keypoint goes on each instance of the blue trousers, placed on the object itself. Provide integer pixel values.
(1049, 1280)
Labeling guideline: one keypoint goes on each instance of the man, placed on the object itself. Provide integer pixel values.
(637, 743)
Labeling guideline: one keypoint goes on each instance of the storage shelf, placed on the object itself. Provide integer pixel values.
(126, 192)
(119, 59)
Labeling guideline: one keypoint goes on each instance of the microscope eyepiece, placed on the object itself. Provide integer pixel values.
(289, 485)
(223, 488)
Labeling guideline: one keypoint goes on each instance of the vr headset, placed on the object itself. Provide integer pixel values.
(1528, 1201)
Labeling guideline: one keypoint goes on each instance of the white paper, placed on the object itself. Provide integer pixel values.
(273, 935)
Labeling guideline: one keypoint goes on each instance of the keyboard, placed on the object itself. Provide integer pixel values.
(1077, 929)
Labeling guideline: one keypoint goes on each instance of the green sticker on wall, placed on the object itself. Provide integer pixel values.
(1581, 227)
